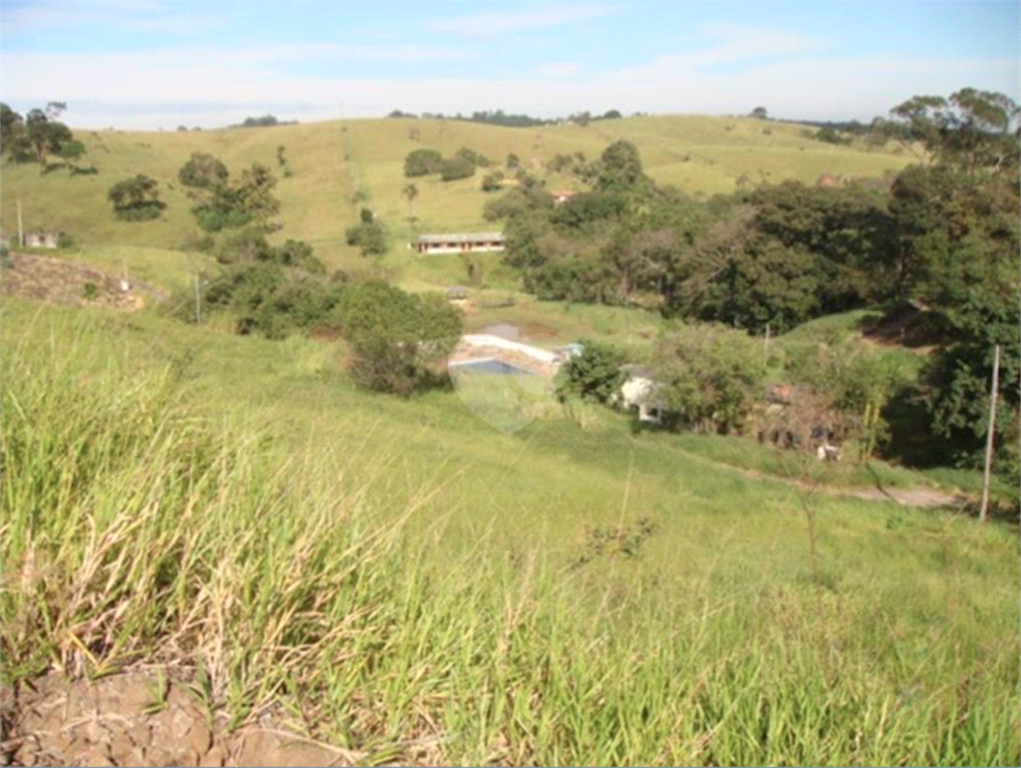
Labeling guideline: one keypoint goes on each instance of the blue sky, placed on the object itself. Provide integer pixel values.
(152, 64)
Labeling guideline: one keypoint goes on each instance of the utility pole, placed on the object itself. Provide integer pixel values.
(989, 438)
(21, 233)
(198, 305)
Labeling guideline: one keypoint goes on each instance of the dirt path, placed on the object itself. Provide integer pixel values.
(140, 719)
(58, 280)
(918, 496)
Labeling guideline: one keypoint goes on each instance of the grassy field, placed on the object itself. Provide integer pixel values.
(412, 584)
(336, 167)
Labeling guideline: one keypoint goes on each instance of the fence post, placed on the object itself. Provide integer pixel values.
(989, 437)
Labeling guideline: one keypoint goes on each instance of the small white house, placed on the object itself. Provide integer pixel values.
(40, 239)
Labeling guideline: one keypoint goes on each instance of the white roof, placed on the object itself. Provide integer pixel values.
(461, 237)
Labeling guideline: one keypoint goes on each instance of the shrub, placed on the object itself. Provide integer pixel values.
(90, 291)
(457, 167)
(492, 181)
(246, 245)
(422, 162)
(395, 336)
(371, 238)
(708, 377)
(595, 374)
(136, 198)
(203, 171)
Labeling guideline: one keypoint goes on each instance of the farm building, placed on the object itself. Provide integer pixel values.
(460, 242)
(639, 392)
(42, 239)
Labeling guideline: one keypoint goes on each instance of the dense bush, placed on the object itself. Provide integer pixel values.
(457, 167)
(396, 338)
(369, 237)
(136, 199)
(422, 162)
(248, 199)
(492, 181)
(595, 374)
(708, 377)
(203, 171)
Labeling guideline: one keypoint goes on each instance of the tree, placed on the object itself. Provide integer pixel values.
(613, 114)
(457, 167)
(513, 161)
(492, 181)
(203, 171)
(621, 168)
(136, 199)
(11, 122)
(255, 193)
(370, 237)
(72, 151)
(394, 336)
(708, 377)
(44, 135)
(422, 162)
(972, 128)
(409, 193)
(595, 374)
(760, 113)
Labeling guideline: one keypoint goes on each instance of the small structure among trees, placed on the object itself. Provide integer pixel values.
(460, 242)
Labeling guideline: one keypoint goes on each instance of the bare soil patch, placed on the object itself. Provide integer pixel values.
(141, 719)
(57, 280)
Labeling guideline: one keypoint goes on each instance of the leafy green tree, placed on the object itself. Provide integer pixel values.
(492, 181)
(71, 152)
(829, 135)
(708, 377)
(621, 168)
(203, 171)
(369, 237)
(394, 336)
(36, 135)
(422, 162)
(595, 374)
(760, 113)
(255, 193)
(971, 129)
(45, 135)
(247, 199)
(457, 167)
(136, 198)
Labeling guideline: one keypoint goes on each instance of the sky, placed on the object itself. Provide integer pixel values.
(159, 64)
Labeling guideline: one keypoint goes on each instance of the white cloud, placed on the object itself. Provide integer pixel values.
(557, 69)
(126, 15)
(209, 87)
(736, 43)
(492, 23)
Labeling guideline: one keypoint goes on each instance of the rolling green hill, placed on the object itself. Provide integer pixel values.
(339, 166)
(399, 573)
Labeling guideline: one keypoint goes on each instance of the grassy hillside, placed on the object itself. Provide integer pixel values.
(332, 162)
(401, 574)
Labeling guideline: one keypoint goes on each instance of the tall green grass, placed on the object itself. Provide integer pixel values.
(433, 591)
